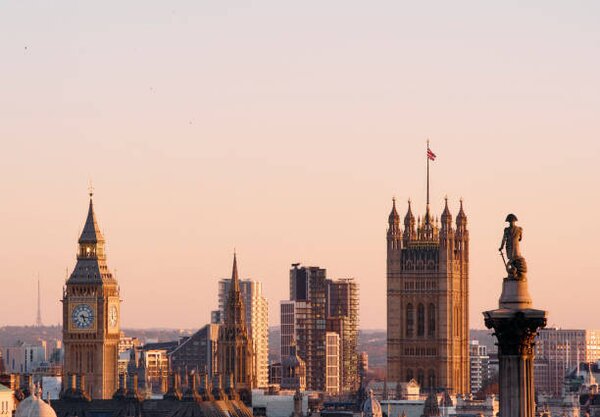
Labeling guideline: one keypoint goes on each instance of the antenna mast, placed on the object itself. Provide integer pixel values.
(38, 321)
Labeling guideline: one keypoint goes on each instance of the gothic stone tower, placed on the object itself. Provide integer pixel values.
(427, 300)
(234, 348)
(91, 315)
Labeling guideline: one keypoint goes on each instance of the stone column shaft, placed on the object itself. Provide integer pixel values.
(515, 330)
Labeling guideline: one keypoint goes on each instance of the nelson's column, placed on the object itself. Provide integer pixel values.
(91, 308)
(515, 323)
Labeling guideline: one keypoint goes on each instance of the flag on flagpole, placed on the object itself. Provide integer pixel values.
(430, 154)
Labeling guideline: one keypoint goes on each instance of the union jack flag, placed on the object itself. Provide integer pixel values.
(430, 154)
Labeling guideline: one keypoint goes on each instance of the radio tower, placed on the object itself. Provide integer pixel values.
(38, 320)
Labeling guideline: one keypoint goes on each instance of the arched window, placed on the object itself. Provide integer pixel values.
(421, 377)
(409, 374)
(410, 320)
(431, 378)
(431, 320)
(420, 320)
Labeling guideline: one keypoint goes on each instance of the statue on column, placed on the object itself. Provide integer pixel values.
(516, 265)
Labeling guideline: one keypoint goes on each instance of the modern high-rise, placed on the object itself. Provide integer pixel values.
(342, 318)
(234, 346)
(479, 365)
(558, 351)
(332, 363)
(427, 300)
(91, 309)
(318, 305)
(257, 322)
(304, 320)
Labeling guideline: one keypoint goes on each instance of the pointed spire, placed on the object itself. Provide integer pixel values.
(461, 218)
(235, 304)
(235, 279)
(91, 231)
(409, 219)
(394, 217)
(428, 218)
(446, 216)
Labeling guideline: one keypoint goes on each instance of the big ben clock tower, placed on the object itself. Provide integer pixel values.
(91, 315)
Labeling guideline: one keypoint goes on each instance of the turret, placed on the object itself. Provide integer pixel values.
(447, 232)
(446, 217)
(409, 226)
(394, 233)
(461, 219)
(462, 234)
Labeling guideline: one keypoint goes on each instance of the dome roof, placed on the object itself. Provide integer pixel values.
(33, 406)
(371, 407)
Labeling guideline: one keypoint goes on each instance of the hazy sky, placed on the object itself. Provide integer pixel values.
(284, 129)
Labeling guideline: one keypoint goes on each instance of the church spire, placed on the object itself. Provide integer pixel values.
(235, 280)
(235, 313)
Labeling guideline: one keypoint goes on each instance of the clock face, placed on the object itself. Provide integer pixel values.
(113, 315)
(83, 316)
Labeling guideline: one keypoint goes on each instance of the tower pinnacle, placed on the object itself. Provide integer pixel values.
(234, 271)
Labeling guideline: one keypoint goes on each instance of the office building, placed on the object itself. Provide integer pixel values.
(479, 366)
(342, 318)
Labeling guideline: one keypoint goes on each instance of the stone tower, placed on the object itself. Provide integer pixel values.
(234, 348)
(91, 309)
(427, 300)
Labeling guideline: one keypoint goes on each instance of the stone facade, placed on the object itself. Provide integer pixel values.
(427, 300)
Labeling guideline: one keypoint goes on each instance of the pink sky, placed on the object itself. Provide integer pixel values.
(284, 130)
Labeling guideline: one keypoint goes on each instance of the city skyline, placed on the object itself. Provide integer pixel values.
(296, 157)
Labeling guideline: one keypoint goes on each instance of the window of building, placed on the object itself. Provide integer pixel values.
(410, 320)
(421, 377)
(431, 320)
(420, 320)
(431, 378)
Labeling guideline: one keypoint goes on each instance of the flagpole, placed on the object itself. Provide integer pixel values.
(427, 156)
